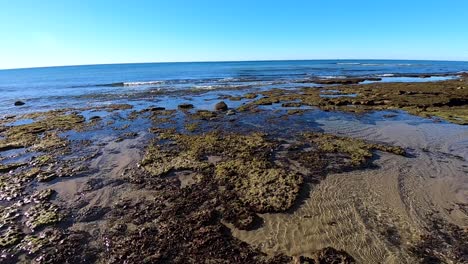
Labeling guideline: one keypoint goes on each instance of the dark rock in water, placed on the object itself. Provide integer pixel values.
(221, 106)
(19, 103)
(185, 106)
(331, 255)
(157, 109)
(95, 118)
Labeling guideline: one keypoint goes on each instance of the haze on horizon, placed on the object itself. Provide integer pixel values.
(54, 32)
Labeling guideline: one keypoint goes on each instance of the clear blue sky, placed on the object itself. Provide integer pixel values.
(70, 32)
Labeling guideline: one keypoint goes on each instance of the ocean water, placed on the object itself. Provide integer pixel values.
(74, 86)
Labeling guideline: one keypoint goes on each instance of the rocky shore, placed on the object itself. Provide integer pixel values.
(114, 184)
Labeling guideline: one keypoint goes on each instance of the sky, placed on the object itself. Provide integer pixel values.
(56, 32)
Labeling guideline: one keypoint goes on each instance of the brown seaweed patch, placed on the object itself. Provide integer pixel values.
(358, 150)
(261, 185)
(443, 243)
(244, 166)
(204, 115)
(30, 134)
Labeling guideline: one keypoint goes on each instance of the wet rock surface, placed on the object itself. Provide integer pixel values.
(447, 100)
(221, 106)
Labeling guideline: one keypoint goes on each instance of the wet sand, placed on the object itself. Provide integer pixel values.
(375, 213)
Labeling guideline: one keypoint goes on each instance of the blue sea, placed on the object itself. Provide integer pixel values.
(80, 86)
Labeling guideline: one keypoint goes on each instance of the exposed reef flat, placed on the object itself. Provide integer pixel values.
(447, 100)
(274, 181)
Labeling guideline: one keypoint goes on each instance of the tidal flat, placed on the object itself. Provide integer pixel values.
(341, 173)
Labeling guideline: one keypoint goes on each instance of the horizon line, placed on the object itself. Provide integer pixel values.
(226, 61)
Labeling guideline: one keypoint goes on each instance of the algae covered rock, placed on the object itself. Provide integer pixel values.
(10, 237)
(358, 150)
(244, 165)
(261, 185)
(42, 214)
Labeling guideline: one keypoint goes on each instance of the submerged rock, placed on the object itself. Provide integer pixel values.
(221, 106)
(19, 103)
(333, 256)
(185, 106)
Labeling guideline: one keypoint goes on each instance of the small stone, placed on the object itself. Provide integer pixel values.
(185, 106)
(19, 103)
(221, 106)
(230, 112)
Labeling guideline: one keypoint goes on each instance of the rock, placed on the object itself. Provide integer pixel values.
(306, 260)
(331, 255)
(230, 112)
(291, 104)
(221, 106)
(19, 103)
(154, 109)
(185, 106)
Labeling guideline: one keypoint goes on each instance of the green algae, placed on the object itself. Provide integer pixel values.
(260, 184)
(41, 215)
(250, 96)
(43, 160)
(159, 162)
(10, 237)
(203, 115)
(244, 165)
(192, 127)
(34, 243)
(8, 215)
(32, 134)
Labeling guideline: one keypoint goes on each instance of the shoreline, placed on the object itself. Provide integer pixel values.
(117, 183)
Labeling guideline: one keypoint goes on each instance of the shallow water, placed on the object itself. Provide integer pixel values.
(77, 86)
(370, 213)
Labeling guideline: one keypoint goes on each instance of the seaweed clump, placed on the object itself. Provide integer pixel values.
(42, 133)
(358, 150)
(243, 165)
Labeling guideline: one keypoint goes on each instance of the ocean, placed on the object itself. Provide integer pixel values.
(76, 86)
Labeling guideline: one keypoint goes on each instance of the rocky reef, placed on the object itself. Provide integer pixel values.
(202, 174)
(447, 100)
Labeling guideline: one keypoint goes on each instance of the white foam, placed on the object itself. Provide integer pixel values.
(142, 83)
(386, 75)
